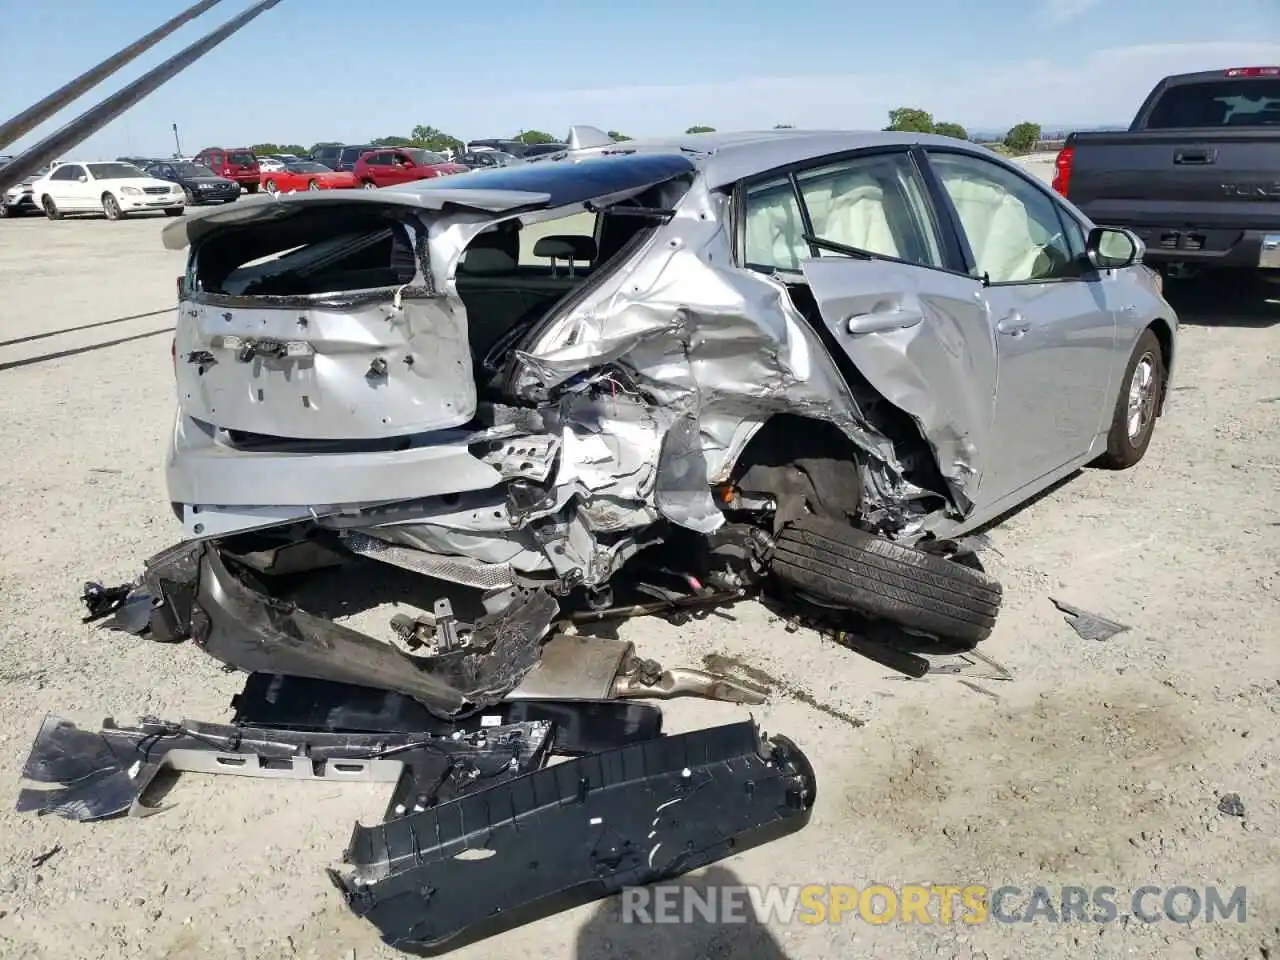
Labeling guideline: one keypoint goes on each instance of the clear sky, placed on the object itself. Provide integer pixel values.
(345, 70)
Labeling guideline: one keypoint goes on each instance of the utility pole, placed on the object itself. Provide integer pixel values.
(177, 144)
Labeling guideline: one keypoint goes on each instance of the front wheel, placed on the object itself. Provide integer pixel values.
(313, 185)
(50, 208)
(191, 197)
(111, 207)
(370, 185)
(270, 187)
(6, 211)
(1137, 406)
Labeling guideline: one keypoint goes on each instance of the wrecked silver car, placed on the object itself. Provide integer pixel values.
(810, 359)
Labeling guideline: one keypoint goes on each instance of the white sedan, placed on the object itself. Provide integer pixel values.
(111, 188)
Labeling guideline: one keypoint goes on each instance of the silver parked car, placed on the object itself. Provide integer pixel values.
(809, 359)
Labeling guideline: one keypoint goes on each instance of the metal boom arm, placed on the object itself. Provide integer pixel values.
(93, 120)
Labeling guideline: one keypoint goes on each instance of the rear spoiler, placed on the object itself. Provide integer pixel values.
(94, 119)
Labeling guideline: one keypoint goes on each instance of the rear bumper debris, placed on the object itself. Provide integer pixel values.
(479, 834)
(198, 597)
(578, 831)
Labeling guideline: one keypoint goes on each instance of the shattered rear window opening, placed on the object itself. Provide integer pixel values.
(314, 253)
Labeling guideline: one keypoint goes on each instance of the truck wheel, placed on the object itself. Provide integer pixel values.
(1141, 392)
(50, 208)
(850, 568)
(370, 185)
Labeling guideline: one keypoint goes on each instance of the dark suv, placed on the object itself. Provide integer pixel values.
(341, 156)
(233, 163)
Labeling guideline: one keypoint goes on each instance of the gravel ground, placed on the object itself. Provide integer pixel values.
(1099, 764)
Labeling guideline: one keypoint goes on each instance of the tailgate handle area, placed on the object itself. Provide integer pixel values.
(1195, 156)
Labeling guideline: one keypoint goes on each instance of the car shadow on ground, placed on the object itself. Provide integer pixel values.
(607, 934)
(1226, 299)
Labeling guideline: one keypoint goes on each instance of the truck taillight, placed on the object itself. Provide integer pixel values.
(1062, 170)
(1253, 72)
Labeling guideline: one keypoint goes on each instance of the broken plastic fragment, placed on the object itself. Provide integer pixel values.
(1089, 626)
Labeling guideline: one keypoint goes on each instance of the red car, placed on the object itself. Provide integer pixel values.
(233, 163)
(385, 168)
(306, 175)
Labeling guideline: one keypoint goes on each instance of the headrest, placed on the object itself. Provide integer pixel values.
(565, 248)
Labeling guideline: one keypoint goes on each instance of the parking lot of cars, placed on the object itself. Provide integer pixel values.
(1101, 758)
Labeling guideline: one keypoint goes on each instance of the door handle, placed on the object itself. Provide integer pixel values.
(881, 321)
(1195, 156)
(1014, 325)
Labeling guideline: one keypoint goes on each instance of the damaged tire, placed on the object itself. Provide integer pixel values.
(841, 565)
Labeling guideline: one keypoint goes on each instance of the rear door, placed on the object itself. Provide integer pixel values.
(914, 326)
(1055, 329)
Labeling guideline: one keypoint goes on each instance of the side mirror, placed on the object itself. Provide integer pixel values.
(82, 178)
(1113, 248)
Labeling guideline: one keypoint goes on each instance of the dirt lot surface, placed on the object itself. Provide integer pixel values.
(1100, 764)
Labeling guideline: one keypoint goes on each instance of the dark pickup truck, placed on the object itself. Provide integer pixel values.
(1197, 175)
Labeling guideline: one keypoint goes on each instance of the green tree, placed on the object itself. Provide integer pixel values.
(784, 126)
(910, 120)
(536, 136)
(1022, 137)
(617, 137)
(296, 149)
(434, 139)
(394, 142)
(948, 129)
(701, 129)
(266, 149)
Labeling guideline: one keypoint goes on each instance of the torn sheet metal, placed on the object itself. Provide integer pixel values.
(92, 775)
(578, 831)
(1089, 626)
(198, 597)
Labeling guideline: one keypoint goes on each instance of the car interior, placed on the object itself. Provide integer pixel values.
(871, 207)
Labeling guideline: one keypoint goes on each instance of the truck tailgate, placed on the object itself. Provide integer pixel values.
(1201, 178)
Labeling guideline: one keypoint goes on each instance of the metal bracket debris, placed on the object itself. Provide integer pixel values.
(100, 774)
(1090, 626)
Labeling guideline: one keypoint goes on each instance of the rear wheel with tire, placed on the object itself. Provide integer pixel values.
(50, 208)
(191, 197)
(6, 211)
(839, 565)
(1141, 395)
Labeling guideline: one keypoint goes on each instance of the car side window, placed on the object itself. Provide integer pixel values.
(773, 226)
(1015, 231)
(62, 173)
(874, 203)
